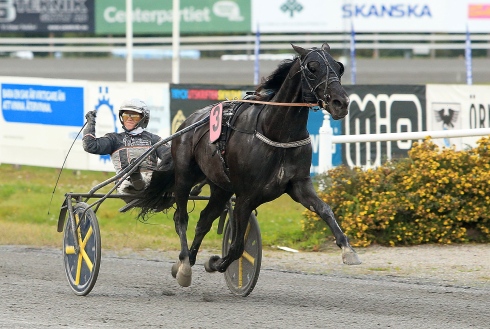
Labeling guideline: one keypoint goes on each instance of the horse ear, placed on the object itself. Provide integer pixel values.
(325, 46)
(341, 68)
(299, 50)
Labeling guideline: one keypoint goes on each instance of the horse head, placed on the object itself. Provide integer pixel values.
(320, 78)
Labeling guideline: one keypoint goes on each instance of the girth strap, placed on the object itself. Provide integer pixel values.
(299, 143)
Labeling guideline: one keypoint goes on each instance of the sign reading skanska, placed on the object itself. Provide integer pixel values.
(50, 105)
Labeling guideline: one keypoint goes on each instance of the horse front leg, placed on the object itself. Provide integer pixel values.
(182, 269)
(304, 193)
(241, 216)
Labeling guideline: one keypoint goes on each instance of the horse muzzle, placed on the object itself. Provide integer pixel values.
(337, 107)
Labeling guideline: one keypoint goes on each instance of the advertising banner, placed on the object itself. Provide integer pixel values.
(47, 16)
(452, 107)
(417, 16)
(376, 109)
(370, 16)
(155, 17)
(39, 119)
(187, 98)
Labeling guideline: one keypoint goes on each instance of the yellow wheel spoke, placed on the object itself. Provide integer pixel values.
(87, 259)
(70, 250)
(79, 269)
(245, 238)
(248, 257)
(87, 236)
(82, 255)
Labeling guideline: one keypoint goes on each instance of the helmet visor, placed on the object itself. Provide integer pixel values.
(136, 117)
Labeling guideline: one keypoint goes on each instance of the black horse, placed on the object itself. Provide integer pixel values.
(265, 151)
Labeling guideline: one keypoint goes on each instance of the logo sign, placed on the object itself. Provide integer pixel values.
(291, 6)
(215, 117)
(47, 16)
(229, 10)
(295, 16)
(447, 117)
(394, 109)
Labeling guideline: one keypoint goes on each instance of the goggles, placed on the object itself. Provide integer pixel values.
(135, 116)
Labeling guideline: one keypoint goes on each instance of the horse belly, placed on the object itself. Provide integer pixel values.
(260, 171)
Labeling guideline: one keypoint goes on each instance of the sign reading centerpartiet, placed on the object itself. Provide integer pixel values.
(155, 17)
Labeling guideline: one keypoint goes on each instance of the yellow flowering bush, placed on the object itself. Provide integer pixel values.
(433, 196)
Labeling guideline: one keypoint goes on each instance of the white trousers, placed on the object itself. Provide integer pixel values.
(126, 187)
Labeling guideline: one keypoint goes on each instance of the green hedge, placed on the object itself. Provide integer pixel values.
(433, 196)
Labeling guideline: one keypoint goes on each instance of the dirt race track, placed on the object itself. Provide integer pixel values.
(421, 287)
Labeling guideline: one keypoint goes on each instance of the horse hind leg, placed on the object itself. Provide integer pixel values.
(304, 193)
(215, 207)
(241, 215)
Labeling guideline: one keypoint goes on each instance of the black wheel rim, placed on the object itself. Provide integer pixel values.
(242, 275)
(82, 267)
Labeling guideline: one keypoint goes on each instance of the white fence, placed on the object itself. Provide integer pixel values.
(327, 139)
(418, 43)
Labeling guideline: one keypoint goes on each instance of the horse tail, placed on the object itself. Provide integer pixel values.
(158, 196)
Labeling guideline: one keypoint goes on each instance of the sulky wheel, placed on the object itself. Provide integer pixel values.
(242, 275)
(82, 266)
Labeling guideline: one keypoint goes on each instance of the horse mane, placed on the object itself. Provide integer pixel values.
(274, 81)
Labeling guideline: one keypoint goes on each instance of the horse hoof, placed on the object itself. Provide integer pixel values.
(184, 275)
(175, 269)
(207, 265)
(349, 256)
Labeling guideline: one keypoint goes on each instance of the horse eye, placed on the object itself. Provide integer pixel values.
(312, 66)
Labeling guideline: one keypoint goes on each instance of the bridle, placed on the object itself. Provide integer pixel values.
(309, 77)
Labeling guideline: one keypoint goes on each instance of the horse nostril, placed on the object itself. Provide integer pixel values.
(337, 103)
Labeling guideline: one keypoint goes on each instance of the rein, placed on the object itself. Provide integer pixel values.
(271, 103)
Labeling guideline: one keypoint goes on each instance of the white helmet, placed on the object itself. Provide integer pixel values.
(138, 106)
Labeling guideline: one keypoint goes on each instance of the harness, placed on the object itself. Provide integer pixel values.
(230, 116)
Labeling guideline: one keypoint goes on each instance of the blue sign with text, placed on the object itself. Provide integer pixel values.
(50, 105)
(315, 122)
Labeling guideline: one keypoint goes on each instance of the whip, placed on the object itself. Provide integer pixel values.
(63, 165)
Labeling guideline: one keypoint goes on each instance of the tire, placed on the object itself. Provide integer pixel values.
(82, 267)
(242, 275)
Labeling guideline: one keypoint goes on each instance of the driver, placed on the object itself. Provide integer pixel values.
(127, 146)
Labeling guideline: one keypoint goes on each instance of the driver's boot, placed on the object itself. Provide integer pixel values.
(137, 181)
